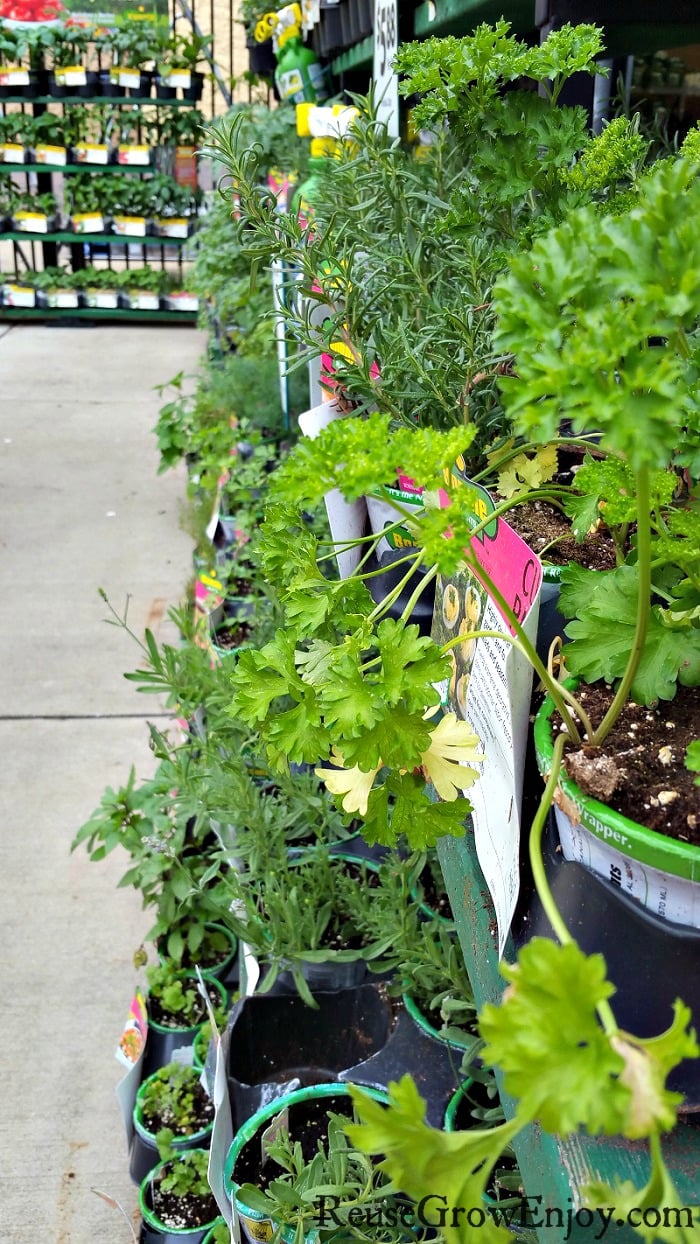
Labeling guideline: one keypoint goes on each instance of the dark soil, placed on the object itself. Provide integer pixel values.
(640, 771)
(540, 523)
(207, 955)
(167, 1020)
(180, 1212)
(229, 637)
(202, 1113)
(308, 1124)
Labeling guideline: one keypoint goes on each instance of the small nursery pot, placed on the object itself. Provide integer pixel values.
(255, 1225)
(211, 1236)
(153, 1231)
(164, 1041)
(454, 1105)
(143, 1154)
(425, 1026)
(221, 970)
(277, 1038)
(659, 872)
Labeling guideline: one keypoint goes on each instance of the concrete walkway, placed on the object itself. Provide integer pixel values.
(81, 508)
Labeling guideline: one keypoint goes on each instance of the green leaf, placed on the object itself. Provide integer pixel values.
(547, 1039)
(692, 759)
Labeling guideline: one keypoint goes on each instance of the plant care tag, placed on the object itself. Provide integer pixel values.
(18, 296)
(173, 226)
(222, 1132)
(71, 75)
(491, 682)
(182, 301)
(13, 153)
(31, 222)
(130, 1053)
(92, 153)
(130, 226)
(130, 78)
(279, 1124)
(88, 222)
(347, 519)
(385, 81)
(175, 78)
(136, 154)
(13, 75)
(46, 153)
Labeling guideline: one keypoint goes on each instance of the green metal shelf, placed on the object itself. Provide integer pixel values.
(77, 168)
(459, 17)
(95, 313)
(123, 100)
(551, 1167)
(360, 56)
(99, 239)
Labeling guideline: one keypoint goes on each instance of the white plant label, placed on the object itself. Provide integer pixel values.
(386, 82)
(347, 518)
(490, 687)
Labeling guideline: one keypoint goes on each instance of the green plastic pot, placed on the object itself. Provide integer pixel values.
(163, 1041)
(143, 1155)
(153, 1231)
(256, 1226)
(454, 1104)
(210, 1237)
(425, 1026)
(659, 872)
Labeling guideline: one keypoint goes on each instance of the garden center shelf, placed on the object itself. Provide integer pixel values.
(552, 1167)
(78, 168)
(94, 313)
(90, 239)
(108, 100)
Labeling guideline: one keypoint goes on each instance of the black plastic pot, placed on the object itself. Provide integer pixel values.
(91, 87)
(650, 961)
(195, 90)
(143, 1153)
(162, 1043)
(163, 91)
(279, 1043)
(108, 88)
(54, 89)
(261, 58)
(153, 1231)
(244, 1155)
(363, 17)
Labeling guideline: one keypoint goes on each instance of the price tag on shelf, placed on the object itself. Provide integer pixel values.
(386, 83)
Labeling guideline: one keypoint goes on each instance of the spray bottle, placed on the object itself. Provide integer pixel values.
(299, 76)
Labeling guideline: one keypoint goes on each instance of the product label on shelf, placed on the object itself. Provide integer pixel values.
(71, 75)
(13, 75)
(13, 153)
(18, 296)
(66, 299)
(143, 300)
(183, 302)
(490, 686)
(134, 154)
(177, 78)
(88, 222)
(130, 78)
(92, 153)
(47, 154)
(130, 226)
(173, 226)
(103, 299)
(31, 222)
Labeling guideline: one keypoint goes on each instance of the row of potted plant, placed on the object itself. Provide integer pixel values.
(142, 289)
(110, 203)
(79, 134)
(516, 304)
(79, 58)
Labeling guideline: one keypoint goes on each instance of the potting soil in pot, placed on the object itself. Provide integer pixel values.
(307, 1124)
(181, 1212)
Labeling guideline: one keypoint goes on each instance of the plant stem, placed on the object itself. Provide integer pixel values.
(643, 595)
(418, 591)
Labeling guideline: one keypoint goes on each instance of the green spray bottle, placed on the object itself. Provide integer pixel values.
(299, 76)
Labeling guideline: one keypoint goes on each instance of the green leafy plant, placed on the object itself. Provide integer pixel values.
(173, 1097)
(186, 1173)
